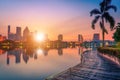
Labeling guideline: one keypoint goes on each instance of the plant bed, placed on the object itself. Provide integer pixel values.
(110, 51)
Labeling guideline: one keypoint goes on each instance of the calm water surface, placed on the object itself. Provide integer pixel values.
(36, 64)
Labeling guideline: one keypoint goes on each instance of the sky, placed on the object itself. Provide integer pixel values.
(53, 17)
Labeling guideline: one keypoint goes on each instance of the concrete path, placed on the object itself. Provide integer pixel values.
(93, 67)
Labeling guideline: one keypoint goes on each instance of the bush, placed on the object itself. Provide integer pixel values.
(110, 51)
(118, 44)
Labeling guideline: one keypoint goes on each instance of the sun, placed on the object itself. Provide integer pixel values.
(39, 37)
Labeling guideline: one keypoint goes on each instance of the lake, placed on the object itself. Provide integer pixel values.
(37, 64)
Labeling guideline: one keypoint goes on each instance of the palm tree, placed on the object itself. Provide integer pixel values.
(103, 15)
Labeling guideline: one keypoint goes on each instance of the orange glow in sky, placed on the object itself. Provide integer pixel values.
(69, 18)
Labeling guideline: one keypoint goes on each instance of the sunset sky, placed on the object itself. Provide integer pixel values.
(53, 17)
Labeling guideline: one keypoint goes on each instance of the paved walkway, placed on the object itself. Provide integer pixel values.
(93, 67)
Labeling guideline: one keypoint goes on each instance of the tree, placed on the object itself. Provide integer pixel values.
(103, 15)
(116, 35)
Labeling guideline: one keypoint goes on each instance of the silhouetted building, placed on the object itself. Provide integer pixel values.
(60, 37)
(18, 33)
(11, 36)
(8, 29)
(96, 37)
(80, 38)
(16, 36)
(26, 33)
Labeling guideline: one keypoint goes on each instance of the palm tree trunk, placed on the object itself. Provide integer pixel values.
(103, 34)
(103, 38)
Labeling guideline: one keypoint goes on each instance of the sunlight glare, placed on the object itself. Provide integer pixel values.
(39, 51)
(39, 37)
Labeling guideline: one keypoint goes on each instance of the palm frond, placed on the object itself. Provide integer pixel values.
(95, 11)
(119, 24)
(111, 7)
(95, 21)
(107, 2)
(102, 5)
(110, 19)
(93, 26)
(103, 28)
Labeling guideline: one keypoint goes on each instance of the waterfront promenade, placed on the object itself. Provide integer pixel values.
(93, 67)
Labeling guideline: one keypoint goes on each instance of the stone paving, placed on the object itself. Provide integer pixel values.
(93, 67)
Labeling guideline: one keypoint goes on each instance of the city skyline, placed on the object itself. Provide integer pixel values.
(53, 17)
(38, 37)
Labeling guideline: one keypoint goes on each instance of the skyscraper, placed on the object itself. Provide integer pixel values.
(11, 36)
(26, 33)
(18, 33)
(14, 36)
(60, 37)
(8, 31)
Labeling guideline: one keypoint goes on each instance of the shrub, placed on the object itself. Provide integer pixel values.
(110, 51)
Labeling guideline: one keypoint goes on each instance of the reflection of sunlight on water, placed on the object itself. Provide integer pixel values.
(39, 51)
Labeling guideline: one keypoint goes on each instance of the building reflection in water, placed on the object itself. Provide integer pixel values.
(16, 53)
(30, 52)
(80, 52)
(25, 57)
(60, 51)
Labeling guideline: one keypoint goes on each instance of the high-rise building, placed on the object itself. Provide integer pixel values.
(11, 36)
(80, 38)
(18, 33)
(8, 31)
(60, 37)
(14, 36)
(96, 36)
(26, 33)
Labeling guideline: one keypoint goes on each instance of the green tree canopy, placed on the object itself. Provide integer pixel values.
(116, 35)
